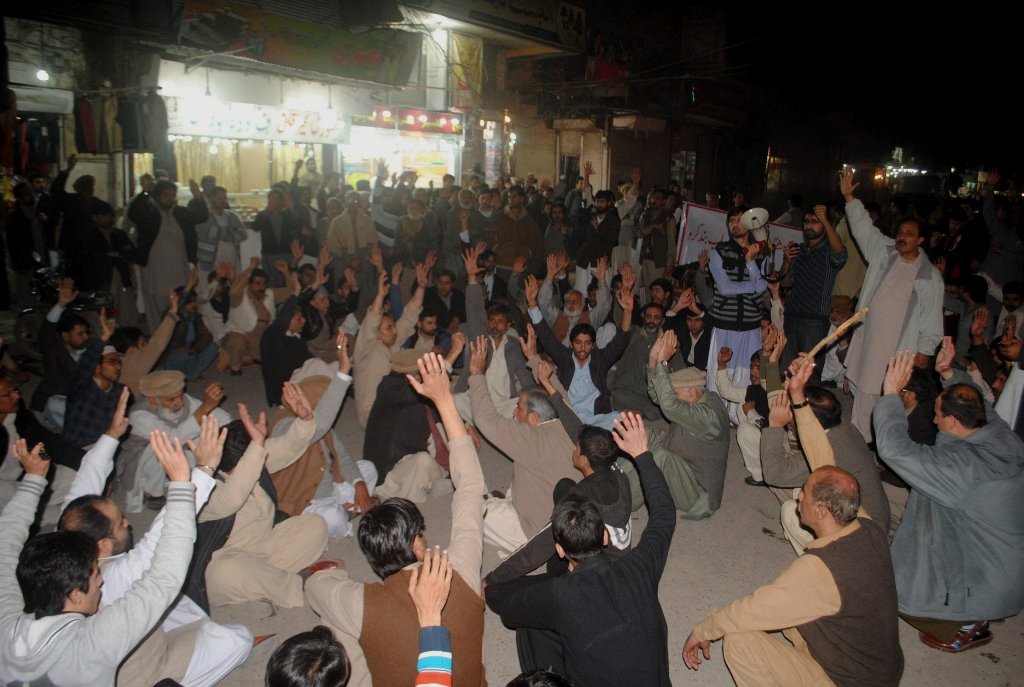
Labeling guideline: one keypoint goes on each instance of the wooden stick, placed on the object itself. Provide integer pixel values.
(840, 330)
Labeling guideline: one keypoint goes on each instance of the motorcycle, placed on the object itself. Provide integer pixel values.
(45, 290)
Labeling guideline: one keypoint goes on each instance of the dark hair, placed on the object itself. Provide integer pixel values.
(445, 273)
(825, 405)
(732, 212)
(605, 195)
(258, 272)
(964, 402)
(206, 178)
(664, 283)
(386, 535)
(69, 320)
(597, 446)
(922, 385)
(838, 491)
(578, 527)
(53, 565)
(499, 309)
(86, 182)
(486, 255)
(101, 208)
(309, 659)
(755, 357)
(657, 306)
(427, 312)
(976, 287)
(540, 678)
(220, 189)
(1015, 288)
(234, 446)
(537, 401)
(164, 185)
(583, 328)
(124, 338)
(518, 190)
(82, 515)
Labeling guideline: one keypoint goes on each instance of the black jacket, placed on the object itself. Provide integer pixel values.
(606, 612)
(397, 425)
(59, 368)
(280, 354)
(601, 360)
(32, 431)
(146, 217)
(700, 355)
(432, 301)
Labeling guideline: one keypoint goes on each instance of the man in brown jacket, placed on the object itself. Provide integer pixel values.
(392, 537)
(515, 234)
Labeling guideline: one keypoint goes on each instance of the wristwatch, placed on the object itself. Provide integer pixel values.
(797, 406)
(209, 469)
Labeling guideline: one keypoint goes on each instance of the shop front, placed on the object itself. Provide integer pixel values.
(426, 142)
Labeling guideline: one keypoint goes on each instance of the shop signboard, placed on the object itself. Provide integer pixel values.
(383, 55)
(209, 117)
(558, 23)
(423, 121)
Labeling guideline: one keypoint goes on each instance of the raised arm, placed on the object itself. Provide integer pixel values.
(465, 548)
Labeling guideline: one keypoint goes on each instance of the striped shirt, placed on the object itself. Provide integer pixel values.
(434, 666)
(814, 275)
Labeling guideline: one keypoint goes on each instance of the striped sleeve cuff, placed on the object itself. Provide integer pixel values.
(434, 667)
(181, 492)
(32, 483)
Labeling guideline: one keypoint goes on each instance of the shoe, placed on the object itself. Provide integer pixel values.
(154, 502)
(754, 482)
(978, 635)
(319, 566)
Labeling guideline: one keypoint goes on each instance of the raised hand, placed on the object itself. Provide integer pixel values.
(435, 384)
(458, 345)
(821, 212)
(669, 344)
(35, 462)
(769, 337)
(106, 329)
(396, 273)
(588, 169)
(602, 268)
(900, 368)
(341, 343)
(295, 400)
(529, 342)
(469, 259)
(545, 370)
(194, 188)
(724, 356)
(422, 275)
(531, 287)
(478, 355)
(210, 448)
(193, 279)
(376, 259)
(944, 358)
(779, 413)
(119, 425)
(979, 325)
(800, 371)
(213, 395)
(518, 265)
(630, 435)
(685, 302)
(67, 293)
(846, 184)
(703, 258)
(429, 586)
(171, 457)
(655, 355)
(780, 346)
(635, 178)
(430, 260)
(257, 430)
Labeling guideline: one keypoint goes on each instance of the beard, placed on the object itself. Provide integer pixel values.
(811, 235)
(173, 417)
(573, 313)
(129, 543)
(651, 328)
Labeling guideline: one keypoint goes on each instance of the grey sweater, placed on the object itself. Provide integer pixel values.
(71, 649)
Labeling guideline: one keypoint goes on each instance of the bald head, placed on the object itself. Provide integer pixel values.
(837, 490)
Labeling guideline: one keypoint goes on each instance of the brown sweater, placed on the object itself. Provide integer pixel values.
(391, 631)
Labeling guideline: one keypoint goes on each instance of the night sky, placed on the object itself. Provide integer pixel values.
(941, 84)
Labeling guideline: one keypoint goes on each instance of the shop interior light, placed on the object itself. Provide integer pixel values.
(508, 120)
(512, 136)
(386, 114)
(217, 141)
(172, 137)
(482, 124)
(422, 118)
(248, 141)
(214, 150)
(43, 75)
(187, 139)
(410, 119)
(204, 139)
(444, 121)
(455, 121)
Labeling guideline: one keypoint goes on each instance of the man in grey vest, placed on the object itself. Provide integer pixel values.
(837, 603)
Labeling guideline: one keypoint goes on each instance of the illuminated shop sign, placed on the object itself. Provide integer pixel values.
(209, 117)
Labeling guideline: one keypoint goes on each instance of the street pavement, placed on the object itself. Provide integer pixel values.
(710, 564)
